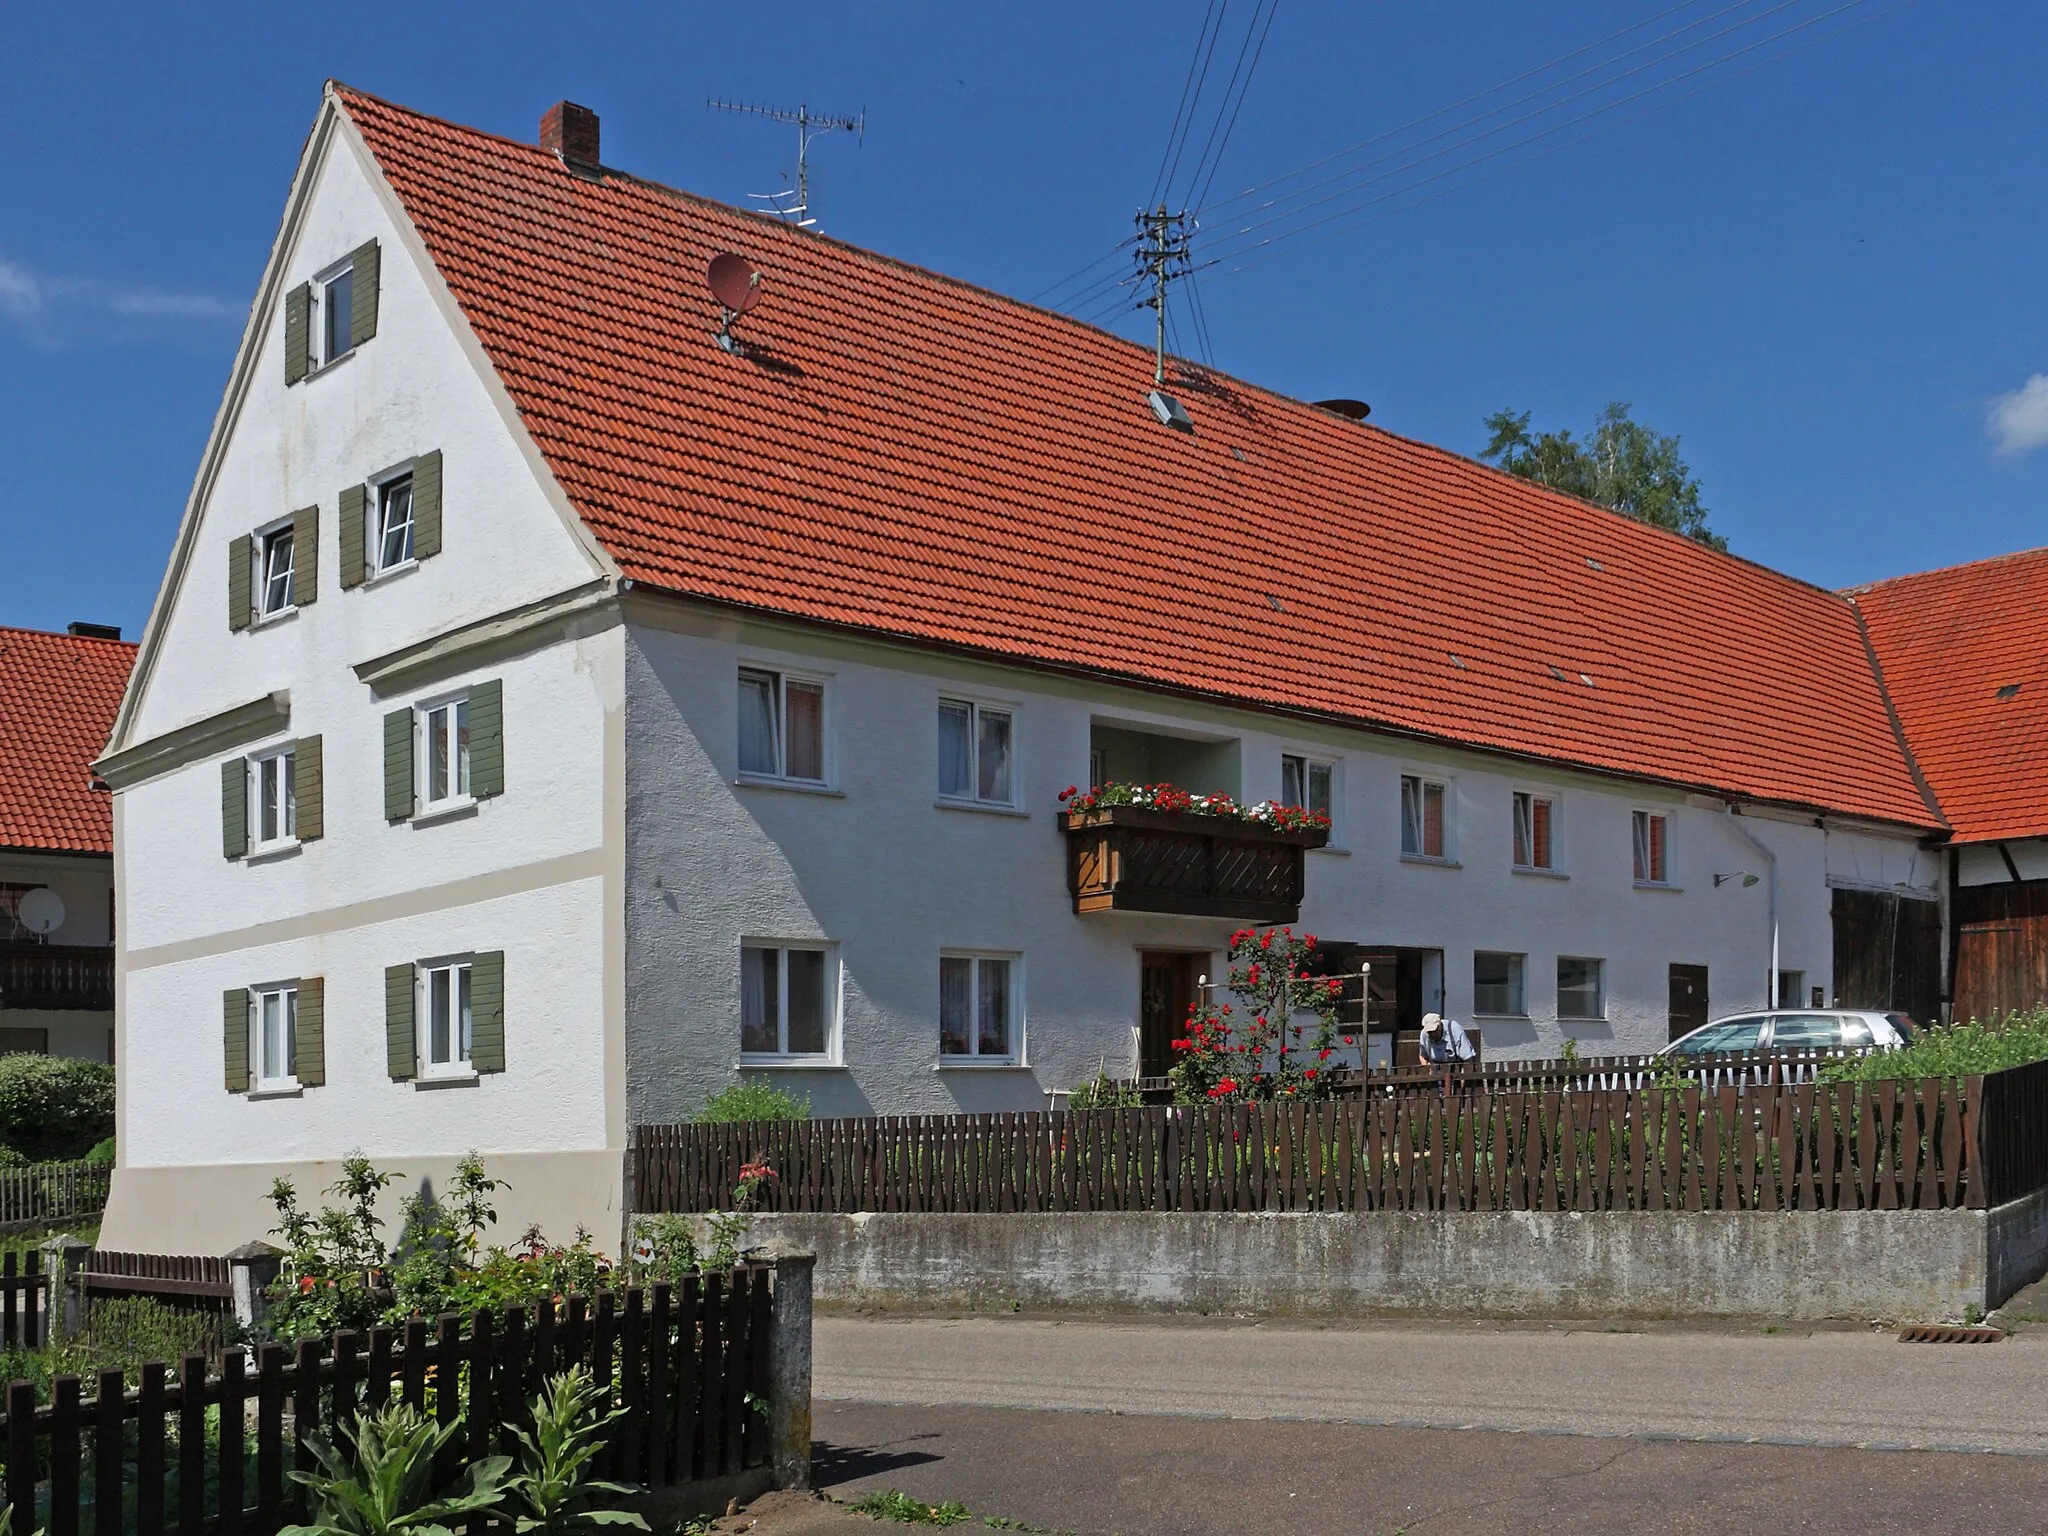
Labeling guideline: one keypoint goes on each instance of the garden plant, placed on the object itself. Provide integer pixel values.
(1257, 1048)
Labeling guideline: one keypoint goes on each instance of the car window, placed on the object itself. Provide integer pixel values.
(1728, 1035)
(1856, 1034)
(1805, 1031)
(1903, 1024)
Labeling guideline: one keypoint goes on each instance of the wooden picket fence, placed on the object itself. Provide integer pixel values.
(24, 1300)
(45, 1192)
(1765, 1147)
(203, 1453)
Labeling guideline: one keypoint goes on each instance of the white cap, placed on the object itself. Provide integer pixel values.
(1431, 1022)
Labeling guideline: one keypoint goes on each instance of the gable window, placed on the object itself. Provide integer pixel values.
(977, 1007)
(1497, 983)
(1579, 990)
(444, 758)
(1535, 819)
(1652, 848)
(782, 726)
(274, 783)
(275, 590)
(1422, 817)
(334, 300)
(1305, 781)
(391, 525)
(786, 1001)
(273, 1042)
(974, 752)
(445, 1041)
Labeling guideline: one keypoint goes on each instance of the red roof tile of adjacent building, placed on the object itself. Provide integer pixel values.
(908, 455)
(58, 696)
(1965, 657)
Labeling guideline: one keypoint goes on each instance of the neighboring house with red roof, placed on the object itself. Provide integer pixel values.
(1964, 653)
(553, 711)
(58, 697)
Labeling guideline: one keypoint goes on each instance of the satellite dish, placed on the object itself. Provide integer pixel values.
(734, 284)
(1354, 410)
(42, 910)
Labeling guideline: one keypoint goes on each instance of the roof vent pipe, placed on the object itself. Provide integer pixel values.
(569, 133)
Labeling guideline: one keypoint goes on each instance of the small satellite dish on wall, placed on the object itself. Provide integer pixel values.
(737, 287)
(42, 910)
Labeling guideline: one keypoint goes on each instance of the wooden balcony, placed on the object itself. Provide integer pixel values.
(1122, 859)
(57, 976)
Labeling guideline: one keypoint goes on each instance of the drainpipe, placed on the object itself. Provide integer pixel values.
(1771, 976)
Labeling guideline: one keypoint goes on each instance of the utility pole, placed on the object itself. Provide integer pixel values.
(1162, 255)
(807, 128)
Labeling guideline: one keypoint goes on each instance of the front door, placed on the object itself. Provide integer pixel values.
(1688, 999)
(1166, 990)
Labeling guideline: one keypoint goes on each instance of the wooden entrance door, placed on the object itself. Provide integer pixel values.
(1688, 999)
(1166, 990)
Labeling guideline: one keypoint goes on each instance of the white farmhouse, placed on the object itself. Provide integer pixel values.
(560, 703)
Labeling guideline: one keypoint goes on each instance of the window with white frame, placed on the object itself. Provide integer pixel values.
(444, 754)
(273, 1049)
(1580, 993)
(444, 1041)
(1497, 983)
(272, 784)
(1535, 831)
(1652, 848)
(274, 591)
(787, 1001)
(1424, 832)
(333, 315)
(975, 747)
(391, 524)
(782, 726)
(978, 1008)
(1305, 781)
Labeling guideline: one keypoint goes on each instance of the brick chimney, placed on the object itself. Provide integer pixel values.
(569, 132)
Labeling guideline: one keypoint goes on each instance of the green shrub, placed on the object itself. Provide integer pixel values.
(1959, 1051)
(1104, 1092)
(54, 1109)
(102, 1153)
(751, 1099)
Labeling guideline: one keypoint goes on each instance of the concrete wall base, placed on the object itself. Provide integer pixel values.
(213, 1208)
(1908, 1265)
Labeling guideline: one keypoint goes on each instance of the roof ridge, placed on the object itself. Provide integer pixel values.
(58, 634)
(2039, 551)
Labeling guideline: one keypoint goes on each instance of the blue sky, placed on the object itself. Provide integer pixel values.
(1820, 262)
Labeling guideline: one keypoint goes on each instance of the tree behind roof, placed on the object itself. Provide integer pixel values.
(1622, 464)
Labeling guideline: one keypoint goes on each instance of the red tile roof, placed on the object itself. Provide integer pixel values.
(1950, 642)
(58, 695)
(909, 455)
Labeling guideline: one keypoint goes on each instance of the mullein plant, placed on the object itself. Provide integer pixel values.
(382, 1484)
(551, 1492)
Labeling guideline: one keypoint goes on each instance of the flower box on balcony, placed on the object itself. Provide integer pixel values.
(1123, 858)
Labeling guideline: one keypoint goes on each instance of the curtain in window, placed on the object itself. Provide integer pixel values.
(956, 750)
(1411, 815)
(1318, 789)
(1539, 826)
(803, 708)
(1578, 989)
(760, 1027)
(807, 1002)
(995, 1007)
(1649, 846)
(956, 1005)
(1291, 790)
(1524, 840)
(995, 756)
(757, 723)
(462, 1014)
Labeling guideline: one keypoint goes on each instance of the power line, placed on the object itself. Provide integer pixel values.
(1212, 151)
(1201, 81)
(1173, 134)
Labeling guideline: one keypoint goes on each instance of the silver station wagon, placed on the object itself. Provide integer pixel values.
(1797, 1029)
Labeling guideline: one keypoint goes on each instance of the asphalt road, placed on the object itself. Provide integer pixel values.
(1193, 1428)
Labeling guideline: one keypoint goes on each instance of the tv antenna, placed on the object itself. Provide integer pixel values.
(1162, 253)
(737, 287)
(808, 127)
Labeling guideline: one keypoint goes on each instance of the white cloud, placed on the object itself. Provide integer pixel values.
(40, 303)
(2019, 421)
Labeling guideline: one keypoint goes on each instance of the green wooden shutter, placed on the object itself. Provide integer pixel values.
(234, 807)
(308, 791)
(298, 333)
(309, 1033)
(362, 320)
(487, 739)
(401, 1051)
(234, 1038)
(354, 514)
(305, 556)
(241, 570)
(487, 1011)
(426, 505)
(398, 803)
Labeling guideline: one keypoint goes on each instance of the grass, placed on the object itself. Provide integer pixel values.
(1958, 1051)
(904, 1510)
(29, 1239)
(121, 1331)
